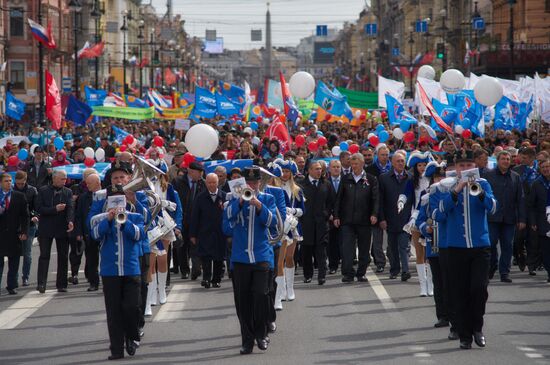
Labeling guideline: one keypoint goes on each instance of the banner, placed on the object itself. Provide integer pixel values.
(173, 114)
(15, 108)
(124, 112)
(94, 97)
(210, 166)
(75, 171)
(391, 87)
(205, 103)
(332, 101)
(226, 107)
(360, 99)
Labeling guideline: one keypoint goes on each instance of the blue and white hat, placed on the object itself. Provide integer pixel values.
(275, 169)
(417, 157)
(432, 167)
(287, 165)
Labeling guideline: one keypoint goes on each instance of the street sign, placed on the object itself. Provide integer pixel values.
(256, 35)
(210, 35)
(67, 84)
(322, 31)
(371, 29)
(478, 23)
(395, 51)
(421, 26)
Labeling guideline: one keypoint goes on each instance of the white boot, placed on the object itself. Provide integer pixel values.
(162, 286)
(421, 270)
(289, 278)
(280, 280)
(284, 293)
(429, 280)
(153, 289)
(148, 311)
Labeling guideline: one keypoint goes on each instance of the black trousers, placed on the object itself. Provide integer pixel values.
(351, 233)
(545, 248)
(334, 248)
(250, 290)
(319, 251)
(444, 270)
(122, 297)
(272, 288)
(75, 255)
(62, 245)
(144, 264)
(92, 261)
(439, 295)
(208, 274)
(187, 252)
(377, 248)
(13, 269)
(469, 278)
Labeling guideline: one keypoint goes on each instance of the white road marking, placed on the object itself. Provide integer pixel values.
(23, 309)
(530, 352)
(380, 291)
(175, 302)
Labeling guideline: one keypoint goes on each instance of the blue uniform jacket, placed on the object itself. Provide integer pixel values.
(437, 216)
(249, 229)
(467, 217)
(298, 204)
(280, 202)
(422, 223)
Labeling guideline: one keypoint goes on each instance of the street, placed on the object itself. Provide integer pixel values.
(380, 322)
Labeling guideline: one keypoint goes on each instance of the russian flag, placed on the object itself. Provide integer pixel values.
(42, 34)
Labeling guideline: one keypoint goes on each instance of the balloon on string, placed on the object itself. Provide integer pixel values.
(89, 162)
(336, 151)
(259, 119)
(466, 123)
(247, 130)
(353, 148)
(379, 128)
(459, 129)
(374, 140)
(158, 141)
(427, 72)
(322, 141)
(408, 137)
(100, 155)
(344, 146)
(383, 136)
(201, 140)
(398, 133)
(384, 114)
(327, 117)
(123, 148)
(22, 154)
(188, 158)
(363, 117)
(302, 85)
(300, 140)
(312, 146)
(488, 91)
(58, 143)
(467, 133)
(254, 126)
(452, 81)
(129, 139)
(13, 161)
(89, 152)
(320, 133)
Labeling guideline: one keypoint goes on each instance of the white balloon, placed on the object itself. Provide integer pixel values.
(255, 140)
(452, 81)
(336, 151)
(247, 130)
(370, 135)
(302, 85)
(427, 72)
(100, 155)
(459, 129)
(31, 150)
(357, 114)
(488, 91)
(201, 140)
(398, 133)
(89, 152)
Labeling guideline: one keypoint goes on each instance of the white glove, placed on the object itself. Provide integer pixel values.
(408, 227)
(288, 224)
(290, 210)
(548, 214)
(168, 205)
(401, 201)
(298, 212)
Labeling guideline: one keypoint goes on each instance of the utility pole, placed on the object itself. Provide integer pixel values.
(511, 38)
(268, 65)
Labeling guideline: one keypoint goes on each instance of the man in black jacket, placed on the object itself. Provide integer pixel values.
(319, 199)
(335, 233)
(56, 210)
(14, 225)
(356, 209)
(38, 170)
(508, 192)
(188, 187)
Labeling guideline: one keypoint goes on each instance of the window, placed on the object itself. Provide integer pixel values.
(547, 6)
(17, 24)
(17, 74)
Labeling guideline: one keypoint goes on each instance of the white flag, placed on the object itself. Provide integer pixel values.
(392, 87)
(433, 90)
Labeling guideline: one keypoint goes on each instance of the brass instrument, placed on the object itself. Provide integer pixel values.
(121, 217)
(247, 194)
(475, 187)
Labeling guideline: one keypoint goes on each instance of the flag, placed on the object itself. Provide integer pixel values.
(86, 46)
(53, 101)
(94, 97)
(428, 104)
(169, 76)
(386, 86)
(210, 166)
(253, 112)
(348, 113)
(273, 94)
(397, 113)
(15, 108)
(205, 103)
(542, 94)
(133, 102)
(92, 51)
(333, 103)
(226, 107)
(432, 89)
(511, 114)
(120, 134)
(448, 113)
(114, 99)
(157, 99)
(42, 34)
(143, 63)
(290, 109)
(77, 111)
(235, 94)
(470, 112)
(278, 130)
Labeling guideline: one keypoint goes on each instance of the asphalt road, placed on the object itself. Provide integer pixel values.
(380, 322)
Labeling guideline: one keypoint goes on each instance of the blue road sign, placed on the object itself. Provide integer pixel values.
(371, 29)
(421, 26)
(478, 23)
(322, 30)
(395, 51)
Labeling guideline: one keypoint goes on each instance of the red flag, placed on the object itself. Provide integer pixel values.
(284, 91)
(95, 51)
(53, 101)
(169, 76)
(144, 63)
(51, 43)
(277, 130)
(428, 104)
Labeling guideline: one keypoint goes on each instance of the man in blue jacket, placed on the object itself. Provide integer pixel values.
(251, 256)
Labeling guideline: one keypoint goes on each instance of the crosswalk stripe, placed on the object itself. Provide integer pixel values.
(173, 309)
(23, 309)
(380, 291)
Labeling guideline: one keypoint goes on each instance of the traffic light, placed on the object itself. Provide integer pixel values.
(440, 50)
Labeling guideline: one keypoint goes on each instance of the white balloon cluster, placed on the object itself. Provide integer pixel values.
(201, 140)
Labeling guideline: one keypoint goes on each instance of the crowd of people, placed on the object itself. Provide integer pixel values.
(470, 207)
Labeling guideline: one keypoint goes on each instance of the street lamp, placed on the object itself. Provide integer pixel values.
(141, 37)
(427, 33)
(126, 17)
(511, 38)
(75, 7)
(96, 14)
(411, 43)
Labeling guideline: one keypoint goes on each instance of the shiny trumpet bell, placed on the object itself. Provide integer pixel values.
(247, 194)
(121, 218)
(475, 189)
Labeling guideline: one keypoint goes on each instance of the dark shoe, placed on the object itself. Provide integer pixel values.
(205, 284)
(41, 289)
(505, 279)
(362, 279)
(185, 275)
(92, 288)
(61, 290)
(492, 272)
(272, 327)
(245, 350)
(453, 335)
(11, 291)
(465, 345)
(532, 272)
(548, 280)
(262, 343)
(216, 285)
(347, 279)
(116, 357)
(521, 265)
(393, 276)
(379, 269)
(131, 347)
(540, 268)
(405, 276)
(479, 339)
(74, 280)
(321, 281)
(307, 280)
(174, 270)
(141, 332)
(194, 277)
(355, 262)
(332, 271)
(441, 323)
(25, 282)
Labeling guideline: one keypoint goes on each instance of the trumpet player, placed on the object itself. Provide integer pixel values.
(248, 221)
(469, 250)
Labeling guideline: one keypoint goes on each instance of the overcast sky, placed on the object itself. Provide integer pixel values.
(234, 19)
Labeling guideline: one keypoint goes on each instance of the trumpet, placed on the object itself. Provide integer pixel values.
(121, 216)
(475, 188)
(247, 194)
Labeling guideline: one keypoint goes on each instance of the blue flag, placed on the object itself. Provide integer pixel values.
(15, 108)
(94, 97)
(332, 102)
(347, 109)
(120, 134)
(470, 112)
(234, 93)
(77, 111)
(210, 166)
(448, 113)
(226, 107)
(397, 114)
(205, 103)
(510, 114)
(133, 102)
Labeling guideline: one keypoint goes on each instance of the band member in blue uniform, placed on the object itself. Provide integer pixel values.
(248, 221)
(466, 206)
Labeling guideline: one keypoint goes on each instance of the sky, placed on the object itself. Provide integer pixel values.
(234, 19)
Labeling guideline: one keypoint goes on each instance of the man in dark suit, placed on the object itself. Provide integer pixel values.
(345, 160)
(205, 231)
(55, 206)
(394, 185)
(319, 200)
(355, 210)
(188, 187)
(14, 226)
(38, 170)
(334, 234)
